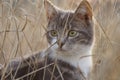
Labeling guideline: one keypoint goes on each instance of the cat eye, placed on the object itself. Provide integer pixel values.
(53, 33)
(72, 33)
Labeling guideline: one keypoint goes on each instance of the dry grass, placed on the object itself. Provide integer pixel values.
(22, 31)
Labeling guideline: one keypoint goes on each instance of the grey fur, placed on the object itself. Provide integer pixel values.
(69, 47)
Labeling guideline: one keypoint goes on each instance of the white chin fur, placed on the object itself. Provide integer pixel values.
(83, 60)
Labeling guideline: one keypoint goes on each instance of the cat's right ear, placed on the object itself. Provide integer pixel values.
(84, 11)
(50, 9)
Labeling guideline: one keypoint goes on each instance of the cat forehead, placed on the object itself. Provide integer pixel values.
(65, 14)
(63, 19)
(60, 19)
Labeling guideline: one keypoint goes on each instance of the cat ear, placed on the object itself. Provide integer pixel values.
(84, 11)
(50, 9)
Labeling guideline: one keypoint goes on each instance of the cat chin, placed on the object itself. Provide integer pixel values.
(79, 56)
(79, 59)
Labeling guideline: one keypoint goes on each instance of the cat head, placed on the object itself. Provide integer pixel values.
(70, 32)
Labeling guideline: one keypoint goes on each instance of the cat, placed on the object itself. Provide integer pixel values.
(70, 35)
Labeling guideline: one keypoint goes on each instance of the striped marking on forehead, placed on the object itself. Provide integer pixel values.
(62, 16)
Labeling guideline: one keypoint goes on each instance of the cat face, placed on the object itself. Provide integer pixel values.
(69, 32)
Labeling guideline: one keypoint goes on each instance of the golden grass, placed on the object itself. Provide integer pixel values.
(22, 31)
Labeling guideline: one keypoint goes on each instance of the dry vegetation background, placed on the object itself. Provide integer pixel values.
(22, 24)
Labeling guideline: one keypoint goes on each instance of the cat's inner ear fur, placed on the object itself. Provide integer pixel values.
(50, 9)
(83, 11)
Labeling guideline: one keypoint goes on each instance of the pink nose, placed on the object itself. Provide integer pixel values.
(60, 43)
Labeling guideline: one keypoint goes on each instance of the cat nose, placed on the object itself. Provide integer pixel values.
(61, 43)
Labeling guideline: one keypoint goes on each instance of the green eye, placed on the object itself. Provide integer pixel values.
(72, 33)
(53, 33)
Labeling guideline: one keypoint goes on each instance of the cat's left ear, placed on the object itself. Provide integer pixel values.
(84, 11)
(50, 9)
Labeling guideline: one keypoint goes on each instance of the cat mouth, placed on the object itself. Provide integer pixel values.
(61, 50)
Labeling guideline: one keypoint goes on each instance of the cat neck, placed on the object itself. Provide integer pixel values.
(83, 62)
